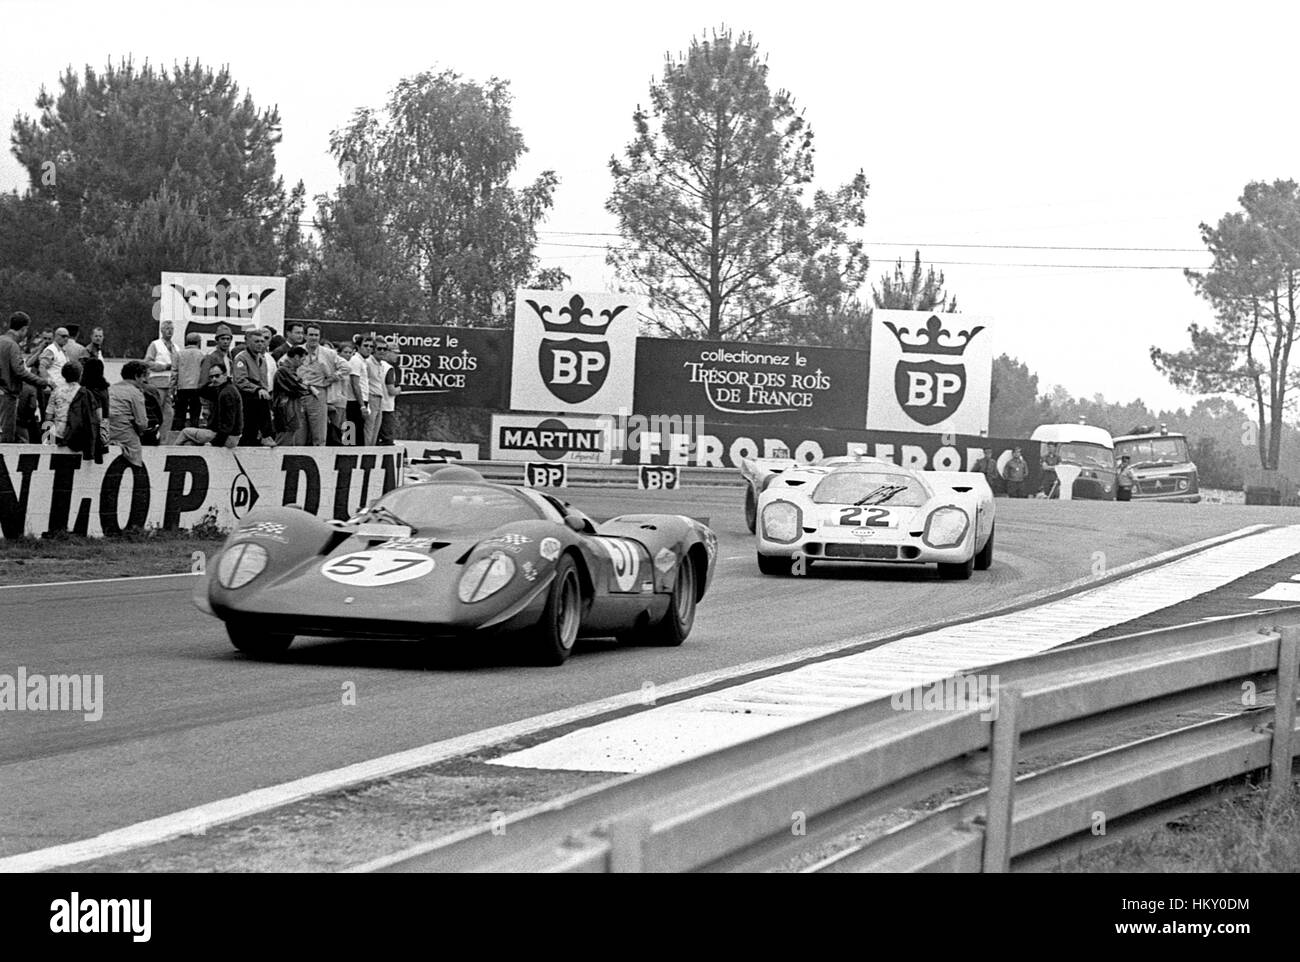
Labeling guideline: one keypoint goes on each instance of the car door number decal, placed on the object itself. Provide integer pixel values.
(875, 517)
(377, 567)
(625, 562)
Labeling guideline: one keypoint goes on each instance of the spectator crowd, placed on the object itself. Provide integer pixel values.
(295, 389)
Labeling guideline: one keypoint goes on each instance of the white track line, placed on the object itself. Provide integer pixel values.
(197, 820)
(95, 581)
(715, 720)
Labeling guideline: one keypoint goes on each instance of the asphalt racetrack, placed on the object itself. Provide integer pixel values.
(187, 720)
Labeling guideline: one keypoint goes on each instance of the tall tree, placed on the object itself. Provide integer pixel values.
(912, 291)
(426, 225)
(1252, 286)
(141, 170)
(710, 198)
(1015, 408)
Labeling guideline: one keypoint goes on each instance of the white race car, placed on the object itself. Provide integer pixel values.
(871, 510)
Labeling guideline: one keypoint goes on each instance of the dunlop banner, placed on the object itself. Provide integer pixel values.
(45, 490)
(739, 383)
(446, 366)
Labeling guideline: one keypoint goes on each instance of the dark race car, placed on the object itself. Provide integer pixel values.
(457, 556)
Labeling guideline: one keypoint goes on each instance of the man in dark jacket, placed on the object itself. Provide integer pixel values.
(226, 412)
(14, 373)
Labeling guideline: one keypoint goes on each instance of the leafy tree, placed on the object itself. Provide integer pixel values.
(710, 197)
(913, 292)
(1015, 409)
(1252, 286)
(426, 226)
(140, 170)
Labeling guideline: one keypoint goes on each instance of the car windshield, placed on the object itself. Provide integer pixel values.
(1080, 453)
(453, 509)
(855, 486)
(1150, 451)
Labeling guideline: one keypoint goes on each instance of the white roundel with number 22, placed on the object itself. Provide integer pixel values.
(376, 568)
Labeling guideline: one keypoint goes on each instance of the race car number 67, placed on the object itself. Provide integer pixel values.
(373, 569)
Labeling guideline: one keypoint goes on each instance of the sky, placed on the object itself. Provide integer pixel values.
(988, 132)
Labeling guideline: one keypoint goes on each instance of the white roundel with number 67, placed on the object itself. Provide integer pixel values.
(376, 568)
(626, 562)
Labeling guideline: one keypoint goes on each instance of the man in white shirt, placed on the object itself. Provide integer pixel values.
(376, 374)
(359, 377)
(160, 358)
(53, 356)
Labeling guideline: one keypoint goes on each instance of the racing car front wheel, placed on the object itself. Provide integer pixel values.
(958, 571)
(751, 510)
(256, 643)
(562, 617)
(984, 560)
(775, 564)
(680, 616)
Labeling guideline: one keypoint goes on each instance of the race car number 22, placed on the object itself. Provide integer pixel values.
(875, 517)
(373, 569)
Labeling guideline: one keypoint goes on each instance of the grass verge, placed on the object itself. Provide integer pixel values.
(73, 558)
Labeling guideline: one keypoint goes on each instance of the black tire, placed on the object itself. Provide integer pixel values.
(677, 621)
(561, 620)
(984, 560)
(958, 571)
(751, 509)
(257, 644)
(775, 564)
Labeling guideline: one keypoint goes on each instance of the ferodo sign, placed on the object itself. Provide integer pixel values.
(929, 372)
(44, 490)
(573, 352)
(724, 445)
(524, 437)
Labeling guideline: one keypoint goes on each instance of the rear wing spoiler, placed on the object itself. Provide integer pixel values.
(758, 471)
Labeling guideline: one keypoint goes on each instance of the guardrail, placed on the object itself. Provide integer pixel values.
(759, 804)
(615, 475)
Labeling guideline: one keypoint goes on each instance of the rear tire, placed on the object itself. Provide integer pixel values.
(561, 620)
(257, 644)
(958, 571)
(775, 564)
(984, 560)
(677, 621)
(751, 509)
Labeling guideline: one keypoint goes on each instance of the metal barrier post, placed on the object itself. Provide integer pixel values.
(627, 844)
(1288, 661)
(1004, 748)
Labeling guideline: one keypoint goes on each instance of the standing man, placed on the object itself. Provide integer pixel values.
(375, 373)
(289, 397)
(296, 336)
(340, 393)
(392, 388)
(253, 380)
(317, 373)
(96, 348)
(219, 355)
(1017, 473)
(359, 378)
(53, 356)
(161, 358)
(75, 350)
(1124, 482)
(127, 418)
(14, 373)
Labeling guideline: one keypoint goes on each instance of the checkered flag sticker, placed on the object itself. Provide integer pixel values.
(272, 528)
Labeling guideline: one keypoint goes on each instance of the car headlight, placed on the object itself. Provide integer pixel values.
(241, 564)
(1182, 484)
(946, 527)
(781, 522)
(485, 577)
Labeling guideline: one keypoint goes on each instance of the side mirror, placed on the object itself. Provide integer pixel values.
(575, 523)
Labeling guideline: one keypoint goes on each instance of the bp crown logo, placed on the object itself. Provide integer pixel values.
(574, 368)
(930, 391)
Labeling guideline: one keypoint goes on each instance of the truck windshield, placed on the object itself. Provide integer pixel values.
(1153, 451)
